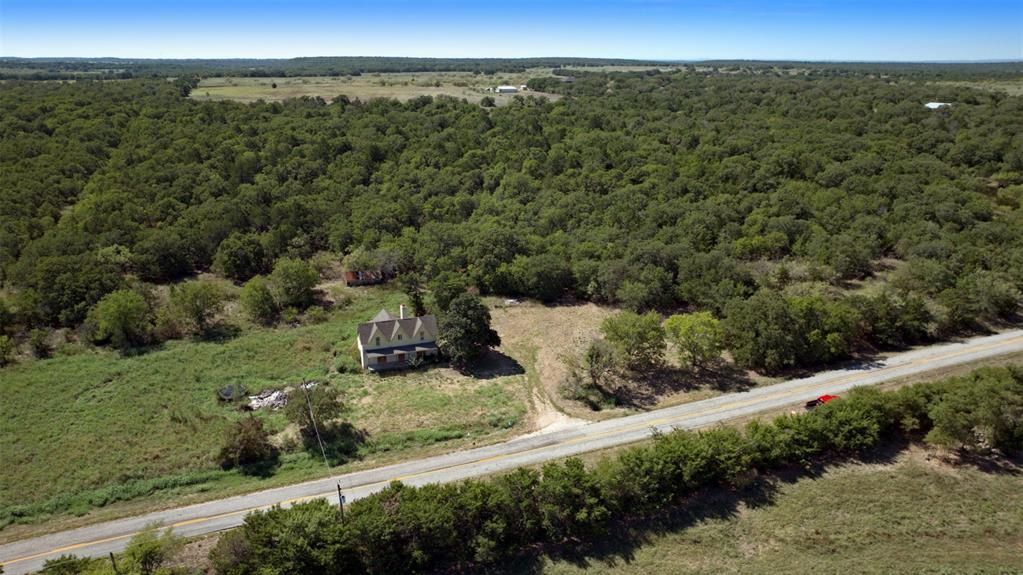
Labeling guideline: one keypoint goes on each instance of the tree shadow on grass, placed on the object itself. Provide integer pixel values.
(494, 364)
(261, 469)
(219, 333)
(341, 441)
(646, 388)
(990, 463)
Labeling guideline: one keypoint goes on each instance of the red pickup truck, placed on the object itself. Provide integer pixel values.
(820, 401)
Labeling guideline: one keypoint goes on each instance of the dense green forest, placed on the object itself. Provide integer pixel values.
(765, 198)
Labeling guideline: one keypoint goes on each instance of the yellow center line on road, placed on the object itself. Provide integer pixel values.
(583, 438)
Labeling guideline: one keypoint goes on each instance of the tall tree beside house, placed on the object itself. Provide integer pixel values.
(412, 285)
(465, 332)
(445, 288)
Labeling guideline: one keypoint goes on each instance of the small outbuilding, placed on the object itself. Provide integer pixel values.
(506, 89)
(364, 278)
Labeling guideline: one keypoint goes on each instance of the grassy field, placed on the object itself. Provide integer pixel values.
(906, 514)
(109, 428)
(401, 86)
(1012, 87)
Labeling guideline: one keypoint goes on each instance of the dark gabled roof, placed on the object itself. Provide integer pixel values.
(387, 325)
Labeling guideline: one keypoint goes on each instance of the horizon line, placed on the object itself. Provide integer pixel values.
(470, 58)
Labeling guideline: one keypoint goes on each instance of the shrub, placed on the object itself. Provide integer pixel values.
(985, 411)
(66, 564)
(161, 256)
(247, 446)
(39, 342)
(197, 303)
(697, 336)
(292, 283)
(305, 538)
(312, 407)
(326, 264)
(316, 315)
(122, 318)
(7, 349)
(258, 301)
(637, 339)
(569, 501)
(149, 550)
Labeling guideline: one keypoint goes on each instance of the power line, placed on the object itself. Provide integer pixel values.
(312, 418)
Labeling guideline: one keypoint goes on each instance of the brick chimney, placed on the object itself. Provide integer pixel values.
(401, 311)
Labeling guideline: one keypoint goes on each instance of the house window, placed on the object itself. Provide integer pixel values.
(401, 357)
(378, 341)
(420, 354)
(382, 359)
(399, 337)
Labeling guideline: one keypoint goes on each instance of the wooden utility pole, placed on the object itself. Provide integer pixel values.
(113, 563)
(341, 503)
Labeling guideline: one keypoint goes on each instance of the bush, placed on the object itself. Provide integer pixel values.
(197, 303)
(984, 411)
(161, 256)
(292, 283)
(306, 538)
(60, 290)
(315, 315)
(258, 301)
(7, 349)
(637, 339)
(149, 550)
(769, 332)
(39, 342)
(697, 336)
(570, 502)
(894, 321)
(122, 318)
(66, 564)
(247, 446)
(321, 401)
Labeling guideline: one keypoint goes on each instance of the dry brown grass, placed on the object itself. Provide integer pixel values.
(540, 337)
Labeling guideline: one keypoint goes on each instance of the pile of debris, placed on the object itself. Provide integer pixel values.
(272, 398)
(275, 398)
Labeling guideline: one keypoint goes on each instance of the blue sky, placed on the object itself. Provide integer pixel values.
(656, 29)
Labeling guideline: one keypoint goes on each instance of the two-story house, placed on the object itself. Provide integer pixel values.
(387, 342)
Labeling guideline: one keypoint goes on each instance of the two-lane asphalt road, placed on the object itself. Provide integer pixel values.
(97, 540)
